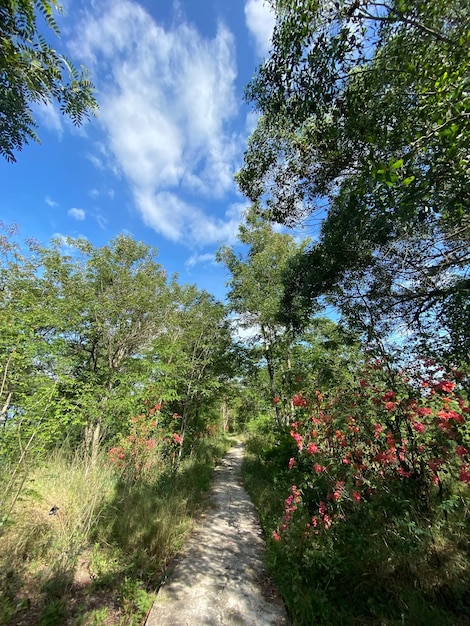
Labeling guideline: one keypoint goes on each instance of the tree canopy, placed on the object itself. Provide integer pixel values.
(32, 72)
(365, 110)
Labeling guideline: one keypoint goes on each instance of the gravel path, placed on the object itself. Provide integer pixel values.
(220, 579)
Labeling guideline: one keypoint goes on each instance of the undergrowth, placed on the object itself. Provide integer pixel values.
(369, 571)
(84, 547)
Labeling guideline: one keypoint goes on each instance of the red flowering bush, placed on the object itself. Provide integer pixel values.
(138, 454)
(374, 478)
(402, 435)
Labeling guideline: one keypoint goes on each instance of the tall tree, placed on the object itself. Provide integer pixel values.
(366, 105)
(256, 291)
(114, 302)
(75, 330)
(193, 360)
(32, 72)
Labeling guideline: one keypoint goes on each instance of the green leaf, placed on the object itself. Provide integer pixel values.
(397, 165)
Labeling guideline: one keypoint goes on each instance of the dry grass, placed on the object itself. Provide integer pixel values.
(100, 556)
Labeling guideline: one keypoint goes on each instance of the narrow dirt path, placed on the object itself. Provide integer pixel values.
(220, 579)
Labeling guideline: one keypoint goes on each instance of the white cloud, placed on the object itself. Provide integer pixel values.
(101, 220)
(52, 203)
(50, 118)
(251, 123)
(167, 100)
(179, 221)
(77, 214)
(195, 259)
(260, 20)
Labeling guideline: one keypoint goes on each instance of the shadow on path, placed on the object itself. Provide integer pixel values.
(220, 578)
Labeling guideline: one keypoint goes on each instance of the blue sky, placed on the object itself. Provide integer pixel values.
(159, 160)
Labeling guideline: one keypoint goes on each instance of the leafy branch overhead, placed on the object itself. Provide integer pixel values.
(32, 72)
(365, 109)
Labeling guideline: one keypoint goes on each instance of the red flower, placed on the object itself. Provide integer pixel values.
(464, 474)
(461, 451)
(378, 428)
(298, 439)
(403, 472)
(356, 496)
(445, 385)
(312, 448)
(297, 400)
(275, 399)
(424, 410)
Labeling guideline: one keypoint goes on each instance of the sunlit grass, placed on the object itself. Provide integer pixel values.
(84, 546)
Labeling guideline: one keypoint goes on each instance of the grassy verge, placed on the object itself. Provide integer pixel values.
(371, 570)
(99, 557)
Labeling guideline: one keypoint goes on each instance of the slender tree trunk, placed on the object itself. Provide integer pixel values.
(92, 437)
(272, 384)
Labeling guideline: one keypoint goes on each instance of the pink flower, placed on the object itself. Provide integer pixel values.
(312, 448)
(298, 439)
(276, 536)
(177, 438)
(291, 462)
(356, 496)
(419, 427)
(319, 468)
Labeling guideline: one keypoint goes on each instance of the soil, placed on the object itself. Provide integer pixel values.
(220, 578)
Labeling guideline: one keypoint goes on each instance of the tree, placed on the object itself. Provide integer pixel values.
(32, 72)
(113, 303)
(366, 105)
(193, 360)
(256, 292)
(75, 330)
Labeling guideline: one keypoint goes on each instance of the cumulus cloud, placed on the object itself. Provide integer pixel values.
(77, 214)
(167, 102)
(260, 20)
(178, 220)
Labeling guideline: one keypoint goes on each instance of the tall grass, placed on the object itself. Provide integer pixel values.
(85, 547)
